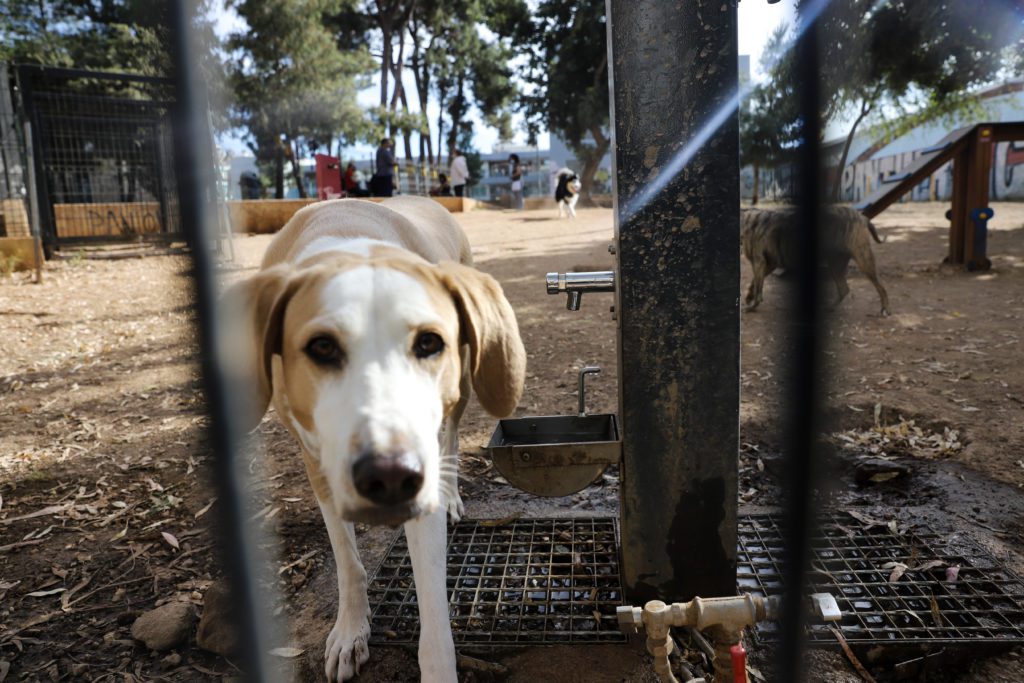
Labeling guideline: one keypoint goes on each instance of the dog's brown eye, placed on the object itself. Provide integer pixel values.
(324, 350)
(427, 344)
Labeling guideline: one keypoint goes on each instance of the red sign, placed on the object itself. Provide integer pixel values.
(328, 177)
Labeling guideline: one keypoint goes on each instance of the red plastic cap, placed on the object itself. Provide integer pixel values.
(739, 664)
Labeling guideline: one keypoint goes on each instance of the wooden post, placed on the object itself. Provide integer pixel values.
(978, 169)
(971, 169)
(958, 211)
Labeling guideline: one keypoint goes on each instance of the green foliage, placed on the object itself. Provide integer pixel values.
(466, 67)
(568, 68)
(292, 85)
(767, 112)
(889, 51)
(110, 35)
(894, 64)
(566, 44)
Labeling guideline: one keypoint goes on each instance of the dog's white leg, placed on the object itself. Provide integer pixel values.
(347, 648)
(450, 444)
(450, 472)
(428, 543)
(572, 207)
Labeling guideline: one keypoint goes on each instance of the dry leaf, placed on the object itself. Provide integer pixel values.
(205, 509)
(171, 540)
(120, 534)
(936, 613)
(898, 569)
(288, 652)
(931, 564)
(499, 522)
(43, 594)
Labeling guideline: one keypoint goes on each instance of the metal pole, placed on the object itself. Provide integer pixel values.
(674, 75)
(805, 372)
(193, 165)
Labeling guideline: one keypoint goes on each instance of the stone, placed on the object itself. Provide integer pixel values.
(217, 632)
(165, 627)
(878, 470)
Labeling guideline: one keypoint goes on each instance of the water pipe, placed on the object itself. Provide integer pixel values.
(723, 618)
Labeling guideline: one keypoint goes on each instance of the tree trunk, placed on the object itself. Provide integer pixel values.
(385, 58)
(442, 97)
(279, 172)
(592, 164)
(757, 183)
(297, 171)
(837, 187)
(457, 111)
(421, 76)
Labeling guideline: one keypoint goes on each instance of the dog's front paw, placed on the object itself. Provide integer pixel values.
(347, 649)
(455, 507)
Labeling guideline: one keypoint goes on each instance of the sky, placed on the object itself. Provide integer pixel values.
(757, 21)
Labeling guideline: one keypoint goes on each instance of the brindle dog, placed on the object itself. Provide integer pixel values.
(767, 236)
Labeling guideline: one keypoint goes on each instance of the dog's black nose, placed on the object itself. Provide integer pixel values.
(388, 479)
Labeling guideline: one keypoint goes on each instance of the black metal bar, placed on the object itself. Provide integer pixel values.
(195, 181)
(804, 375)
(674, 92)
(61, 72)
(47, 224)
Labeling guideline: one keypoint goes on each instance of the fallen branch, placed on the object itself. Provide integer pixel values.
(20, 544)
(858, 667)
(51, 510)
(467, 663)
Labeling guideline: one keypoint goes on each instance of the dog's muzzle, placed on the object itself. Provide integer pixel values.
(388, 479)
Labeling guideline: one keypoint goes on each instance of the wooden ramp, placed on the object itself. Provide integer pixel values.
(929, 161)
(970, 148)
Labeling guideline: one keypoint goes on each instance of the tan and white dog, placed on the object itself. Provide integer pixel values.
(368, 325)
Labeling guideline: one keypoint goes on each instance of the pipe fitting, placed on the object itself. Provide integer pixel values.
(724, 618)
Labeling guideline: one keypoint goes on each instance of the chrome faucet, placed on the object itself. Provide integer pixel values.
(588, 370)
(574, 284)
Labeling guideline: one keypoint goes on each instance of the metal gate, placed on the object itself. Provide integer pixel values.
(102, 155)
(14, 216)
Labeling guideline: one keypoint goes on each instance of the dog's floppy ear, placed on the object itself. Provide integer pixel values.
(253, 312)
(497, 360)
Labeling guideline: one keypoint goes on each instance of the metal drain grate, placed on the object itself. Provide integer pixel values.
(985, 601)
(529, 581)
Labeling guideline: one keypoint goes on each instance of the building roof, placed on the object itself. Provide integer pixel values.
(1004, 102)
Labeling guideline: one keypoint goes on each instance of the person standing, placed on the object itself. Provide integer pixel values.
(458, 172)
(516, 176)
(382, 183)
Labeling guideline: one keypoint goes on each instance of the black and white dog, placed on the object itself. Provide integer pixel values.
(567, 192)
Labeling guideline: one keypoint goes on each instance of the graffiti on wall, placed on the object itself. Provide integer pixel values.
(122, 219)
(1007, 180)
(1008, 156)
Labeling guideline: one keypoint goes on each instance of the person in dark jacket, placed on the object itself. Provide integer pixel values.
(516, 176)
(382, 183)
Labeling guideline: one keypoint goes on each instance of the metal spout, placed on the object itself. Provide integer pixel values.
(575, 284)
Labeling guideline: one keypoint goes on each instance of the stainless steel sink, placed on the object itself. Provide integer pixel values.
(555, 455)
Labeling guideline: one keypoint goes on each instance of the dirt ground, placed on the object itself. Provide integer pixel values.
(106, 510)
